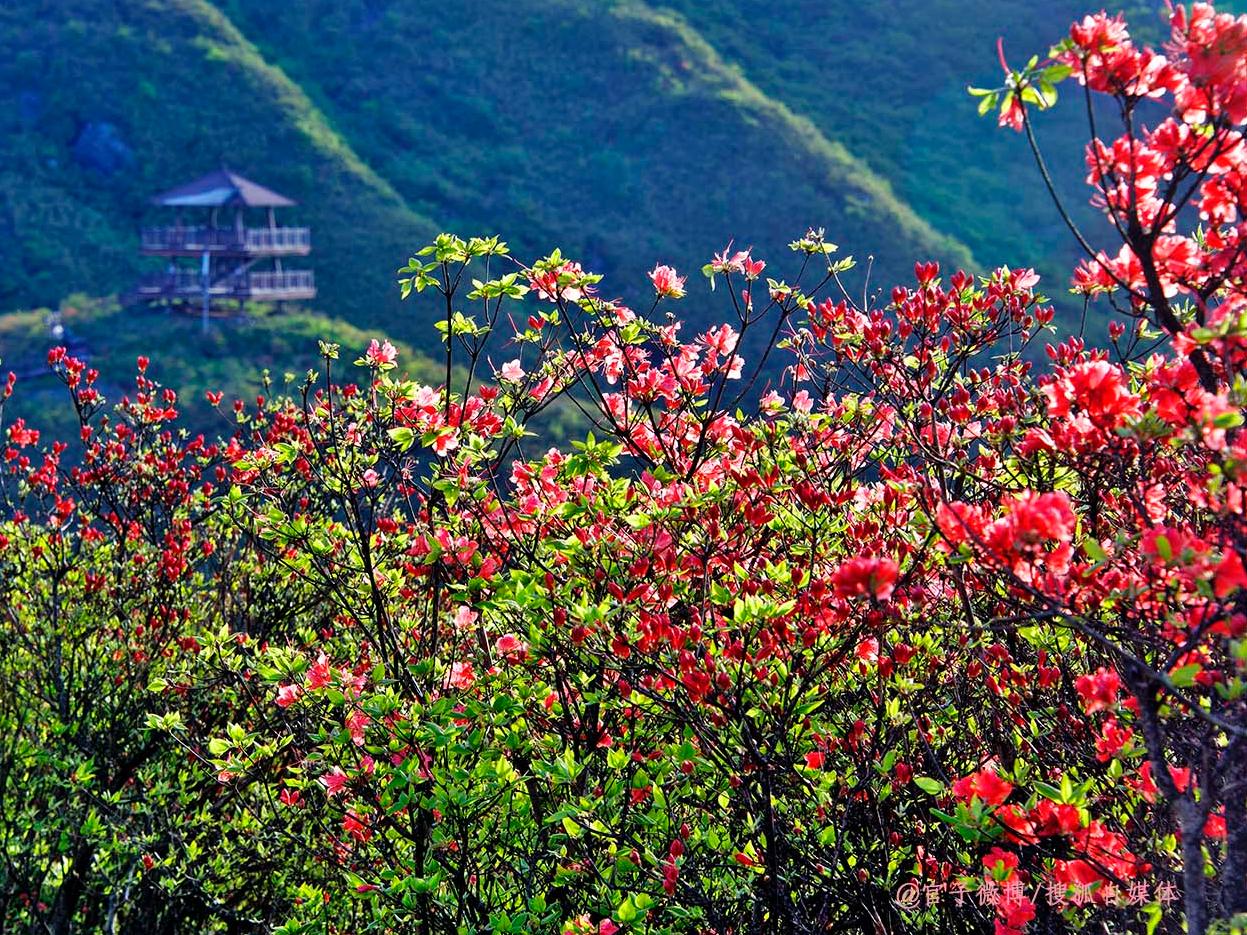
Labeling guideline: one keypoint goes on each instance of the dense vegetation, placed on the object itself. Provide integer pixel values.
(923, 637)
(258, 356)
(108, 103)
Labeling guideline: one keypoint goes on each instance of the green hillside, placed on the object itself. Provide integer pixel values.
(625, 132)
(616, 131)
(613, 129)
(889, 81)
(106, 103)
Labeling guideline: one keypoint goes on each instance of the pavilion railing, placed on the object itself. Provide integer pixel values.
(292, 280)
(254, 285)
(267, 240)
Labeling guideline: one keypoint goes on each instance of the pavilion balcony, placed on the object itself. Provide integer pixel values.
(247, 241)
(263, 286)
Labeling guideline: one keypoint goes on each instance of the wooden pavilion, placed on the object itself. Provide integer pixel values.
(217, 255)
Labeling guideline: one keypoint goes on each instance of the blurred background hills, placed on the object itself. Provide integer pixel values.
(624, 132)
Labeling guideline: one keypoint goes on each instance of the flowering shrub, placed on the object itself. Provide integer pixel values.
(881, 628)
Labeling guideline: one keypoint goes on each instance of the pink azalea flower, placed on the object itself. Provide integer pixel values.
(753, 268)
(547, 284)
(334, 781)
(461, 676)
(666, 283)
(865, 576)
(721, 340)
(512, 647)
(381, 354)
(542, 388)
(288, 695)
(356, 724)
(446, 441)
(318, 675)
(1098, 690)
(465, 616)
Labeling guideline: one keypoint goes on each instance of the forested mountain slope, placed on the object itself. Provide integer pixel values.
(623, 131)
(107, 102)
(611, 129)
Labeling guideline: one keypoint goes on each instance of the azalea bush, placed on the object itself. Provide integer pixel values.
(879, 626)
(113, 564)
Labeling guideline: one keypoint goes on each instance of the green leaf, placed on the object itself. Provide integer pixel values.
(1185, 676)
(1048, 791)
(1228, 420)
(403, 437)
(1154, 917)
(628, 911)
(1094, 550)
(1163, 548)
(1056, 73)
(928, 785)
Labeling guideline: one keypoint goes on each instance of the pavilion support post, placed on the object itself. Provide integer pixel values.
(206, 278)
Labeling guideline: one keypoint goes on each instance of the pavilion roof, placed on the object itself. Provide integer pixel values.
(219, 189)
